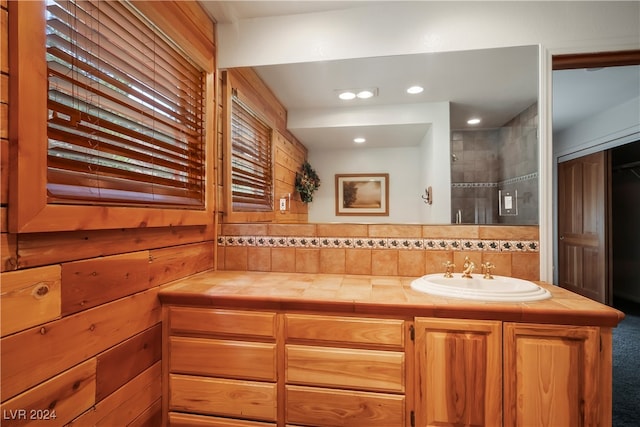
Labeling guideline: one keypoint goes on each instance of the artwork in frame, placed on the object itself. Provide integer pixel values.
(362, 194)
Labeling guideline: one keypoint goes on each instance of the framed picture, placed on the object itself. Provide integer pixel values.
(362, 194)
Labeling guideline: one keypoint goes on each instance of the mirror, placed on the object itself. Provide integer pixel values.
(422, 140)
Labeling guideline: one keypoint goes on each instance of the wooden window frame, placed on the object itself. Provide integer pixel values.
(29, 211)
(230, 89)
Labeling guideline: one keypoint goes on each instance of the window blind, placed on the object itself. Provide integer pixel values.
(126, 110)
(251, 176)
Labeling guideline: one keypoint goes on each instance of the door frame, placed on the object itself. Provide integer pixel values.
(592, 60)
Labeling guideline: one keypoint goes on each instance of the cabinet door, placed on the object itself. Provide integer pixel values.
(458, 372)
(550, 375)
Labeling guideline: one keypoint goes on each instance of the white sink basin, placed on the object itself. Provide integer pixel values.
(500, 288)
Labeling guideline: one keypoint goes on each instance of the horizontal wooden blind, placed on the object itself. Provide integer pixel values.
(251, 176)
(126, 110)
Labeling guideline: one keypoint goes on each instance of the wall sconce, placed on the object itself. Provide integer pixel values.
(427, 197)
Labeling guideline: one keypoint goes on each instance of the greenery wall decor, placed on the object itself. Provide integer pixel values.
(307, 182)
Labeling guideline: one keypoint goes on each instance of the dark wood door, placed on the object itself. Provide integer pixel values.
(582, 226)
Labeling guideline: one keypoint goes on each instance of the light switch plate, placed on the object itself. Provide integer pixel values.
(283, 204)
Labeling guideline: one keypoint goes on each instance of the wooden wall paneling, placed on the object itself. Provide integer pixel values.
(142, 392)
(92, 282)
(8, 252)
(3, 219)
(187, 24)
(288, 153)
(111, 351)
(174, 262)
(4, 42)
(29, 298)
(289, 156)
(51, 248)
(4, 166)
(56, 401)
(32, 356)
(151, 417)
(123, 362)
(252, 89)
(4, 106)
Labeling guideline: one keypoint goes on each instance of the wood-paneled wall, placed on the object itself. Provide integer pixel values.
(288, 152)
(80, 317)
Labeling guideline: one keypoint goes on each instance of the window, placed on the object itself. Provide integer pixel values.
(251, 176)
(112, 115)
(126, 110)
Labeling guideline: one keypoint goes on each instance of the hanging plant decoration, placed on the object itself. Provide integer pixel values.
(307, 181)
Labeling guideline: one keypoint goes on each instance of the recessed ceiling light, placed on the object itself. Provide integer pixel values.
(364, 94)
(473, 121)
(359, 140)
(347, 95)
(415, 89)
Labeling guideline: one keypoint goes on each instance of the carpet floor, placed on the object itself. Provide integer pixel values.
(626, 367)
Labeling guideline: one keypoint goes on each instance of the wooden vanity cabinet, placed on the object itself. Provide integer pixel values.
(553, 376)
(237, 368)
(223, 364)
(345, 371)
(458, 372)
(493, 373)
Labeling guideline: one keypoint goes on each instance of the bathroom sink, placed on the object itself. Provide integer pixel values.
(500, 288)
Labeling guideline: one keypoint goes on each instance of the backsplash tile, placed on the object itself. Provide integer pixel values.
(366, 249)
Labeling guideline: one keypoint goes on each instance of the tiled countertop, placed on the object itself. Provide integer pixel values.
(373, 295)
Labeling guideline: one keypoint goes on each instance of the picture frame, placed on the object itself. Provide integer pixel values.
(362, 194)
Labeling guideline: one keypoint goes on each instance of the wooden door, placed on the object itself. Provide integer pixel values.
(458, 373)
(582, 226)
(551, 376)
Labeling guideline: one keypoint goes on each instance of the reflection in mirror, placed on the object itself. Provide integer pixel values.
(421, 140)
(494, 178)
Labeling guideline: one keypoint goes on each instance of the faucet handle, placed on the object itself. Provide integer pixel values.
(486, 269)
(448, 268)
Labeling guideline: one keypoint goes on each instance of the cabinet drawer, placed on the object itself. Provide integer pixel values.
(232, 398)
(352, 330)
(339, 408)
(373, 370)
(226, 358)
(225, 322)
(190, 420)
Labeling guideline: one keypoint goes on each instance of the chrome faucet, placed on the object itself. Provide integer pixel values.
(486, 269)
(468, 266)
(448, 269)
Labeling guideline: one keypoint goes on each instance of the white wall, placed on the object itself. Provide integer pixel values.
(605, 130)
(405, 188)
(411, 169)
(388, 28)
(435, 162)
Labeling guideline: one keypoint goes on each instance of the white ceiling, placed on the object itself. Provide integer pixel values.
(582, 93)
(495, 84)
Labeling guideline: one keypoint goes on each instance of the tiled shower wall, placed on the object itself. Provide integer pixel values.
(485, 161)
(377, 249)
(519, 165)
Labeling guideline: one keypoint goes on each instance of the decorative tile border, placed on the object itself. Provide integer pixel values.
(474, 184)
(381, 243)
(528, 177)
(522, 178)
